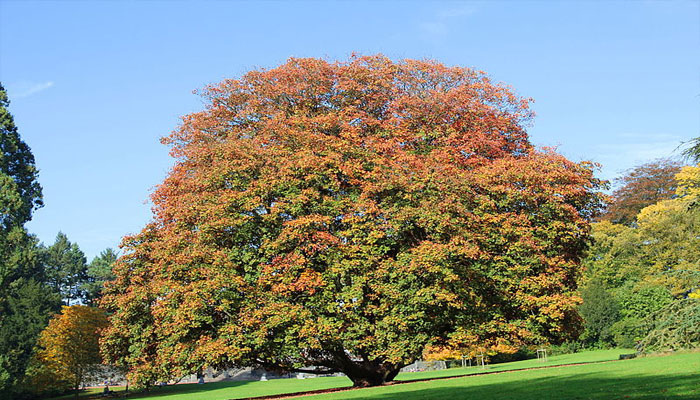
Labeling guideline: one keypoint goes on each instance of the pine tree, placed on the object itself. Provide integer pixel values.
(99, 271)
(17, 164)
(25, 301)
(66, 269)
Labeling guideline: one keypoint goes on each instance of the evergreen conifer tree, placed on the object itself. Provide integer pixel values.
(25, 301)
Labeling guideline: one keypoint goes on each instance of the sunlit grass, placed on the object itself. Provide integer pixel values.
(648, 377)
(675, 376)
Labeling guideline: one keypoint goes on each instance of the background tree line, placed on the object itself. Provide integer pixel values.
(35, 280)
(642, 278)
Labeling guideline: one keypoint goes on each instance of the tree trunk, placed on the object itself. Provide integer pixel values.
(364, 374)
(364, 371)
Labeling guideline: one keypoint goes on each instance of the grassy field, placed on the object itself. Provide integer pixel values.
(668, 377)
(576, 358)
(675, 376)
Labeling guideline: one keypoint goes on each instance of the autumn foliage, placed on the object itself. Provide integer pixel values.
(640, 187)
(68, 349)
(344, 216)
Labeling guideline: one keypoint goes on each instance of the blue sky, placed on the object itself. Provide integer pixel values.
(94, 85)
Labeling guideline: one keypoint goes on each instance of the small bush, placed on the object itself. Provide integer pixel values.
(522, 354)
(629, 331)
(566, 348)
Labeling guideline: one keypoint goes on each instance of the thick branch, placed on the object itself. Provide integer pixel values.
(293, 369)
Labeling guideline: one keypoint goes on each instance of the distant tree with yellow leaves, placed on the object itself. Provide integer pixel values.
(68, 349)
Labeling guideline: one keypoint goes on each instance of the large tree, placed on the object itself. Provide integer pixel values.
(25, 301)
(344, 216)
(20, 194)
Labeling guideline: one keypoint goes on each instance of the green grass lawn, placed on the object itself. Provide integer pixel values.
(668, 377)
(675, 376)
(584, 357)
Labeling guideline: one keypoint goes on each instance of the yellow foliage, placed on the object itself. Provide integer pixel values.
(441, 353)
(688, 182)
(661, 249)
(68, 349)
(438, 353)
(687, 192)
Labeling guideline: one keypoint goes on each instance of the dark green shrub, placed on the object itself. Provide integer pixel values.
(599, 312)
(628, 332)
(566, 348)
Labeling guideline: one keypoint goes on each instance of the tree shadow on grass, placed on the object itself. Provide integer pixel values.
(185, 388)
(594, 386)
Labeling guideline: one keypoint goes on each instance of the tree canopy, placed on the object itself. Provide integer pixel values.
(68, 349)
(343, 216)
(642, 186)
(99, 271)
(66, 269)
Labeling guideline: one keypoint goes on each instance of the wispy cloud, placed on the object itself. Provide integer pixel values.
(455, 12)
(22, 89)
(438, 27)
